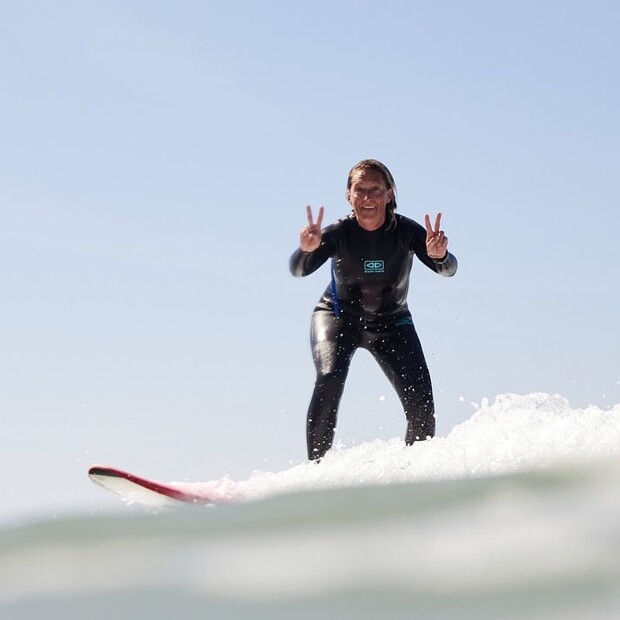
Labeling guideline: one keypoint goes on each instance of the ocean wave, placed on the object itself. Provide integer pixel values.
(515, 514)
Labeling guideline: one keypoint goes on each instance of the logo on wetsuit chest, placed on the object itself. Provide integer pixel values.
(374, 266)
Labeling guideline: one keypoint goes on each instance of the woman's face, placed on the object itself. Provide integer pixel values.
(369, 195)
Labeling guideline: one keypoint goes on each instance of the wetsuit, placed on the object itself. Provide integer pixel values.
(366, 306)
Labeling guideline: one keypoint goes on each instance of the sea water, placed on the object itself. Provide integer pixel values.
(515, 514)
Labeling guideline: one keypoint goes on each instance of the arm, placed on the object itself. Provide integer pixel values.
(304, 263)
(313, 251)
(432, 248)
(437, 248)
(446, 266)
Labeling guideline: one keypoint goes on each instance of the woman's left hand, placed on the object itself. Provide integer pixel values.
(436, 241)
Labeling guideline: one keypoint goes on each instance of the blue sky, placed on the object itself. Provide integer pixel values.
(156, 160)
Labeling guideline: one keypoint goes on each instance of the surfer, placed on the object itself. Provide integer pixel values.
(365, 304)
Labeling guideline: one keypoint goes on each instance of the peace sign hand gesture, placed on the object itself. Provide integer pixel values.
(310, 235)
(436, 241)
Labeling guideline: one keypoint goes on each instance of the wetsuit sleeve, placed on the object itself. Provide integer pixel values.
(304, 263)
(446, 266)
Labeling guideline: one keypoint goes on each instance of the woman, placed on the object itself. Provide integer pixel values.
(365, 304)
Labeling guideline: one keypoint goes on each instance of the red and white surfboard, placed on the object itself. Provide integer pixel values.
(151, 492)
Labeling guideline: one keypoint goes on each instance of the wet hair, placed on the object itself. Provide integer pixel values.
(377, 166)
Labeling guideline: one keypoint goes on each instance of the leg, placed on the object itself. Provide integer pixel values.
(333, 345)
(400, 355)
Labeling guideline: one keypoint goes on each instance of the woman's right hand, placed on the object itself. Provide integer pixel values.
(310, 235)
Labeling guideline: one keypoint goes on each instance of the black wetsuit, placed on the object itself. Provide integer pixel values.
(366, 306)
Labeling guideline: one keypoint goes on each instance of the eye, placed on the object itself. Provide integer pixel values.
(371, 191)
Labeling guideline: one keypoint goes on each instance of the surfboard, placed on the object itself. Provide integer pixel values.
(148, 492)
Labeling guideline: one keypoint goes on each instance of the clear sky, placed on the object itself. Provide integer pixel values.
(156, 159)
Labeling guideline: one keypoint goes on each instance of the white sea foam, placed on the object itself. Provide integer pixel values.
(510, 434)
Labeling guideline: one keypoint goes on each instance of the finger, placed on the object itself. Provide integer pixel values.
(427, 223)
(319, 219)
(309, 215)
(438, 222)
(438, 241)
(441, 246)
